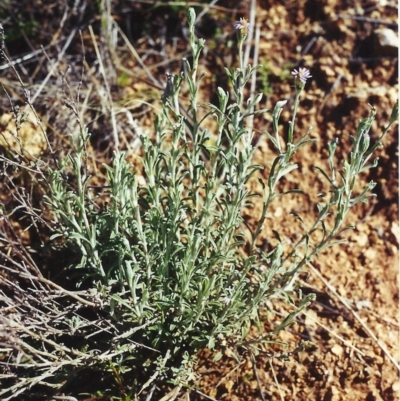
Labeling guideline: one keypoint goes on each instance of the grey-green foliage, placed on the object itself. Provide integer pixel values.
(169, 246)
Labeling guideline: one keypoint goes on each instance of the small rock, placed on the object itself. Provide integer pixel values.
(362, 239)
(386, 42)
(394, 229)
(396, 386)
(387, 37)
(337, 350)
(27, 138)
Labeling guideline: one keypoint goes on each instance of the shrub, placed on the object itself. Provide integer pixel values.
(168, 263)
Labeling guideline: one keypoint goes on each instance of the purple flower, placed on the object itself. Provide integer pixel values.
(243, 25)
(303, 74)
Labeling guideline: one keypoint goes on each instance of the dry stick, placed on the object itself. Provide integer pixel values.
(39, 337)
(22, 253)
(8, 87)
(185, 397)
(138, 76)
(156, 373)
(178, 57)
(111, 103)
(172, 394)
(107, 32)
(150, 393)
(138, 58)
(205, 10)
(345, 342)
(187, 4)
(84, 106)
(355, 314)
(204, 395)
(366, 19)
(41, 279)
(26, 95)
(98, 87)
(252, 20)
(331, 90)
(353, 347)
(239, 364)
(53, 41)
(62, 290)
(383, 319)
(305, 51)
(15, 163)
(55, 65)
(253, 362)
(154, 83)
(33, 350)
(276, 380)
(80, 84)
(23, 383)
(24, 58)
(254, 77)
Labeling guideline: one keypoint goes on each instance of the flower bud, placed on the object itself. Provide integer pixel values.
(394, 117)
(191, 15)
(280, 104)
(365, 140)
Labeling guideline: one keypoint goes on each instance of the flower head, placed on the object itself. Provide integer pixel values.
(303, 74)
(243, 26)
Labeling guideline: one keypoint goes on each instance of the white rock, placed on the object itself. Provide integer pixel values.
(387, 38)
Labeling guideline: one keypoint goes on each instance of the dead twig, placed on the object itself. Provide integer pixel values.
(356, 316)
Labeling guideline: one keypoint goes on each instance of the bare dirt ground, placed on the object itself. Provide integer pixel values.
(353, 325)
(349, 71)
